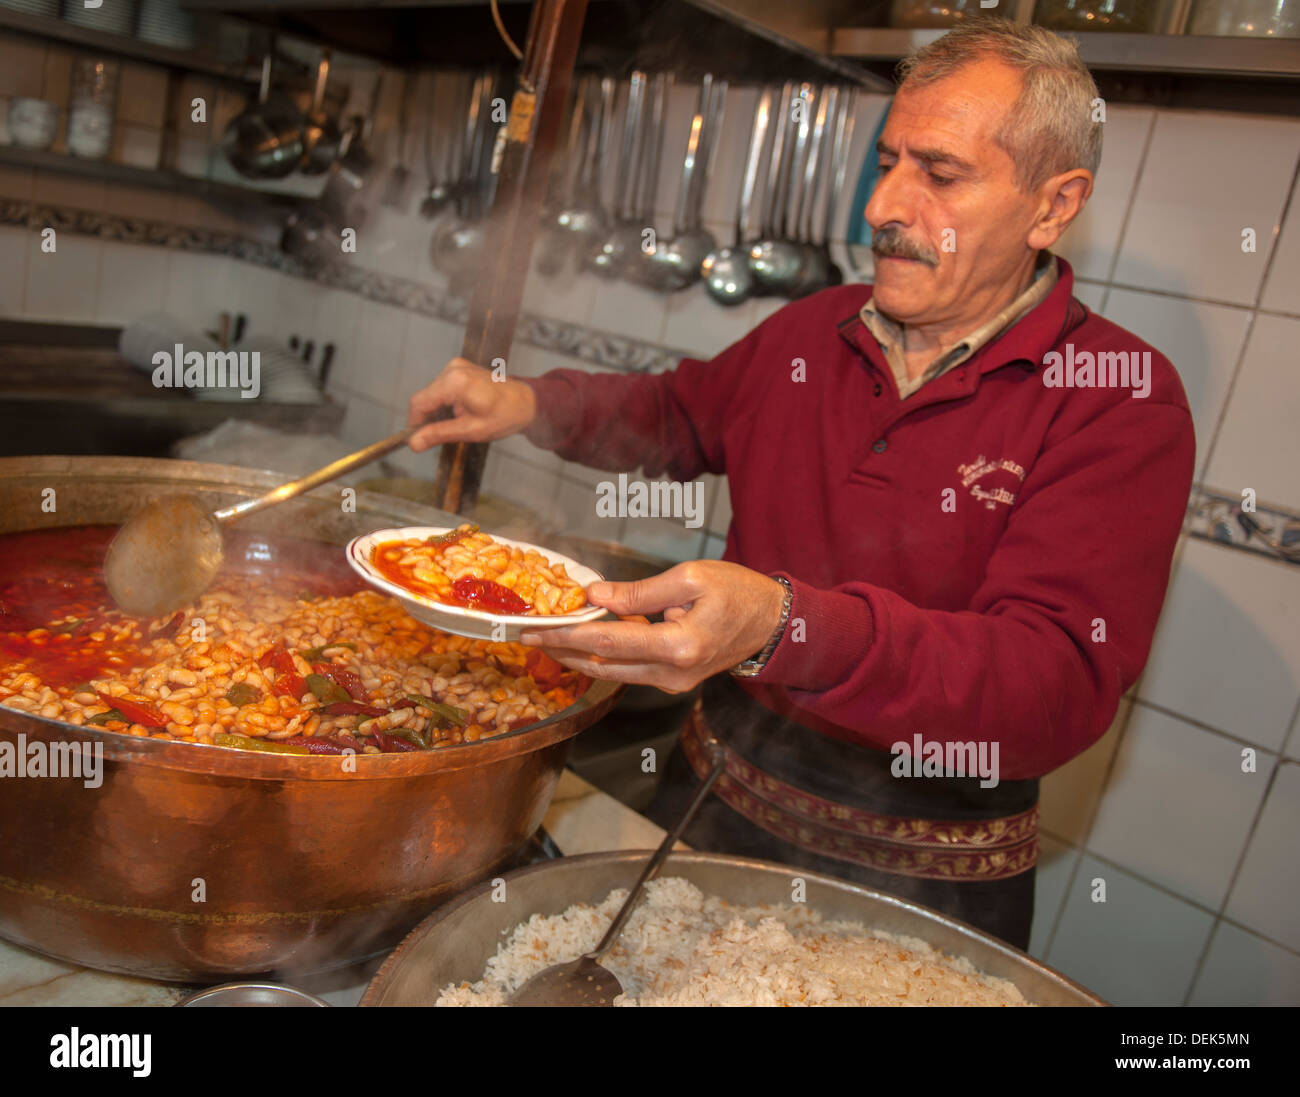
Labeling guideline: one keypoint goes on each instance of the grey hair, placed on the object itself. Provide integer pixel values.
(1050, 128)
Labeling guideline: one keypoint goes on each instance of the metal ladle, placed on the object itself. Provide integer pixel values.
(167, 554)
(442, 187)
(777, 263)
(610, 257)
(675, 264)
(584, 982)
(458, 243)
(727, 277)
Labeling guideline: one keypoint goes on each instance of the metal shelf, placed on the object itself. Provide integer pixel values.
(119, 45)
(1154, 53)
(159, 179)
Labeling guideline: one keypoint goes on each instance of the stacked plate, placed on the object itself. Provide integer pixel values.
(285, 378)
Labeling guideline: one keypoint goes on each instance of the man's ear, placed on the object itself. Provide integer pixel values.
(1063, 199)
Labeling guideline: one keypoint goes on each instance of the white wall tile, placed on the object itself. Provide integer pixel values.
(14, 245)
(1244, 970)
(63, 284)
(1138, 948)
(629, 310)
(697, 324)
(574, 512)
(1090, 293)
(428, 346)
(365, 421)
(529, 487)
(1266, 895)
(663, 537)
(1226, 652)
(1258, 444)
(129, 285)
(1056, 864)
(1067, 797)
(199, 288)
(1202, 341)
(569, 296)
(1282, 288)
(519, 447)
(1089, 244)
(1152, 818)
(380, 336)
(583, 474)
(337, 318)
(720, 517)
(295, 309)
(257, 292)
(1191, 204)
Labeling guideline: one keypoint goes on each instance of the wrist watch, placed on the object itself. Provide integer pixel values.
(750, 667)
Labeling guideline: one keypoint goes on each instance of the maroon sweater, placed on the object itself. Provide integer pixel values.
(982, 619)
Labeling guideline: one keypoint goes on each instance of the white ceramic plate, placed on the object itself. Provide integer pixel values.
(466, 622)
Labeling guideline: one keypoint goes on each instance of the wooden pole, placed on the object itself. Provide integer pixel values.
(533, 131)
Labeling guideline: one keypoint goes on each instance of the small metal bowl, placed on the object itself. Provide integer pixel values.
(252, 994)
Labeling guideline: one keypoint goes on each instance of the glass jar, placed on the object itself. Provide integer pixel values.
(935, 13)
(1253, 18)
(1126, 16)
(91, 106)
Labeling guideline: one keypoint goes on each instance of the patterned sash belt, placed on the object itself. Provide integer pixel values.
(968, 850)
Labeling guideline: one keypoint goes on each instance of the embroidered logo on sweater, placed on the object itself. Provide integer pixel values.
(981, 467)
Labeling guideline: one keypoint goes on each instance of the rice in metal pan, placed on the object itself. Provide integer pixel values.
(682, 948)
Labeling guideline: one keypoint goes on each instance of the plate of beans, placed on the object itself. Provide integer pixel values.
(467, 582)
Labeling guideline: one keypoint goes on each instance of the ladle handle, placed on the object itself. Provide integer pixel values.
(651, 870)
(324, 475)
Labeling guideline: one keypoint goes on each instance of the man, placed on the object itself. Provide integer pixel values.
(956, 496)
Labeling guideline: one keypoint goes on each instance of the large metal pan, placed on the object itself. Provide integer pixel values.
(454, 943)
(192, 863)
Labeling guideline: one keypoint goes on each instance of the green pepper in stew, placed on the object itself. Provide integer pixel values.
(243, 742)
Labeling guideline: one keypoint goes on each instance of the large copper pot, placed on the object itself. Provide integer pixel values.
(194, 864)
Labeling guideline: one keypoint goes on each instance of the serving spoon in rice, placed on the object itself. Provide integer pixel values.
(168, 553)
(584, 982)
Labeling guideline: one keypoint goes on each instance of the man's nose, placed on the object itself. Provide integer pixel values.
(889, 202)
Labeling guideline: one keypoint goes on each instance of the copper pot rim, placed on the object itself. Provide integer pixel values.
(254, 765)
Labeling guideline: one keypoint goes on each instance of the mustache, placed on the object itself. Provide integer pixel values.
(890, 243)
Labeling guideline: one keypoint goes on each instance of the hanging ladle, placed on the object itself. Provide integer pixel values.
(727, 276)
(167, 554)
(584, 982)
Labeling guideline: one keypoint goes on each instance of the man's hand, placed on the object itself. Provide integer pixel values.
(485, 410)
(716, 615)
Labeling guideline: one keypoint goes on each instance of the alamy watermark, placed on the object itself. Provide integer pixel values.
(939, 758)
(81, 761)
(1106, 369)
(628, 498)
(213, 369)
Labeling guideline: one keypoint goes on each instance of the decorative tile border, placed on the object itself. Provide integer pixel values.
(598, 347)
(1215, 516)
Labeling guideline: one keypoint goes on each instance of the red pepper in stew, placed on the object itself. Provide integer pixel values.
(486, 595)
(545, 671)
(135, 712)
(288, 682)
(351, 708)
(345, 679)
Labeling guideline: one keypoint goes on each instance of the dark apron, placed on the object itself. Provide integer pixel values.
(793, 795)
